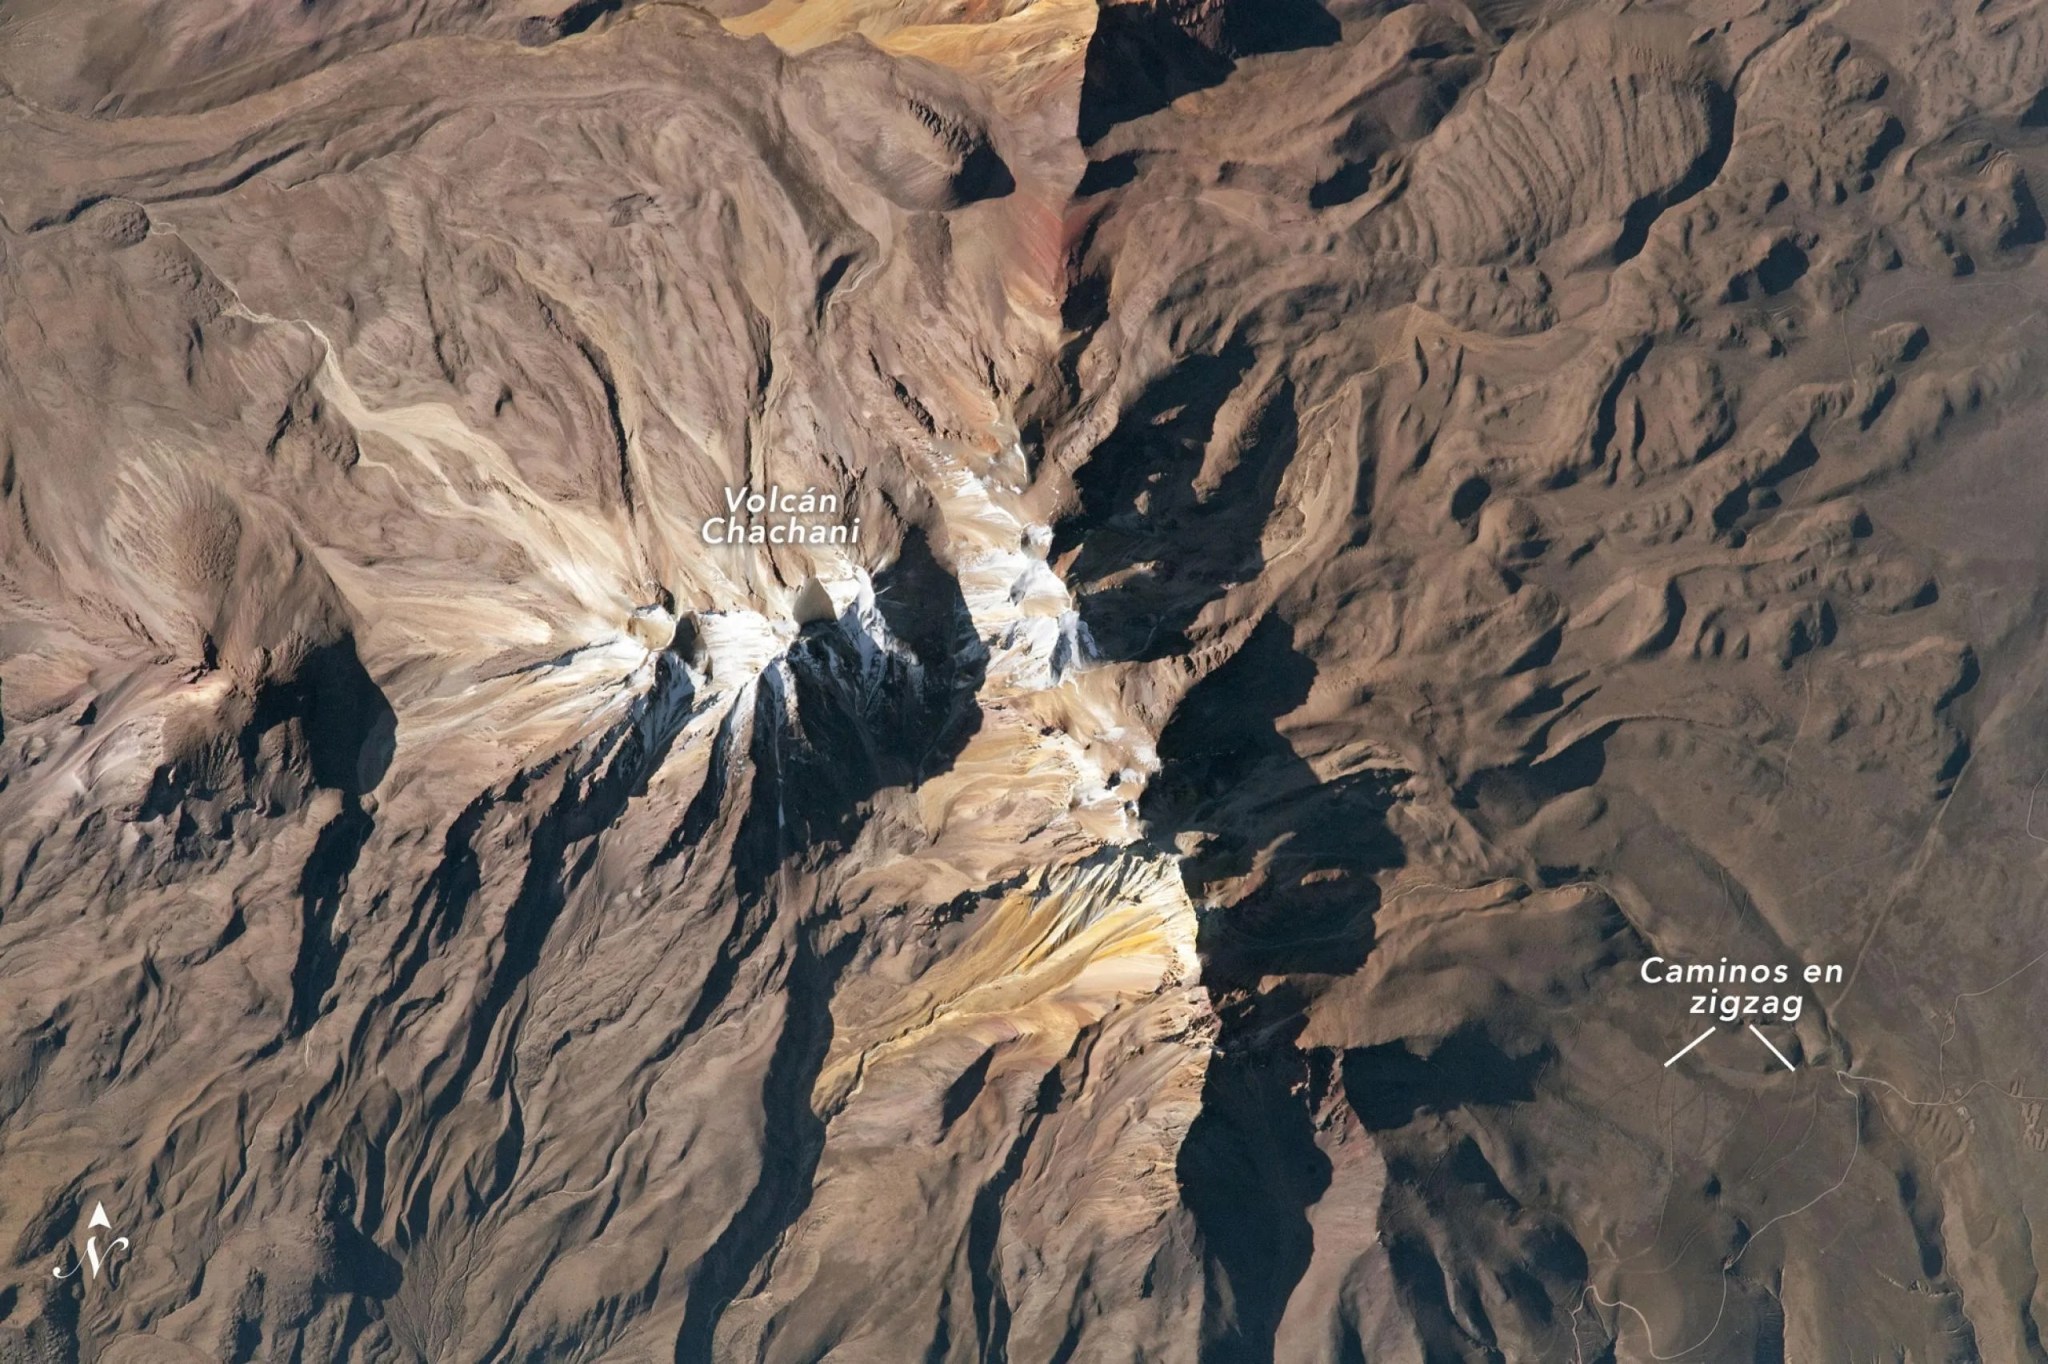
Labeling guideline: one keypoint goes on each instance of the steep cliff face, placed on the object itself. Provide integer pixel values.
(1017, 681)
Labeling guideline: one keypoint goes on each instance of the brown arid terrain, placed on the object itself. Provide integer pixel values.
(1308, 554)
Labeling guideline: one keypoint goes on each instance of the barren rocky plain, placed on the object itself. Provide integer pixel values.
(1023, 680)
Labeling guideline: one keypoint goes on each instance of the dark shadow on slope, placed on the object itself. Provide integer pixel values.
(840, 720)
(1249, 1170)
(1389, 1085)
(321, 883)
(982, 175)
(1450, 1221)
(920, 601)
(1153, 550)
(595, 789)
(985, 1224)
(1287, 864)
(344, 731)
(1508, 797)
(438, 909)
(1226, 731)
(1139, 61)
(340, 735)
(790, 1156)
(1643, 214)
(1228, 774)
(580, 17)
(1250, 1167)
(1112, 172)
(844, 718)
(356, 1265)
(2026, 227)
(1342, 186)
(1145, 56)
(1450, 1225)
(1255, 27)
(351, 730)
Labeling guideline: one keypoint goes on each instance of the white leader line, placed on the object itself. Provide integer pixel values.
(1690, 1045)
(1774, 1051)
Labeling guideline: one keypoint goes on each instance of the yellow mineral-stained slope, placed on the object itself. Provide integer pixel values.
(1035, 967)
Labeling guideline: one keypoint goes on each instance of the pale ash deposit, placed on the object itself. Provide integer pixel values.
(792, 519)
